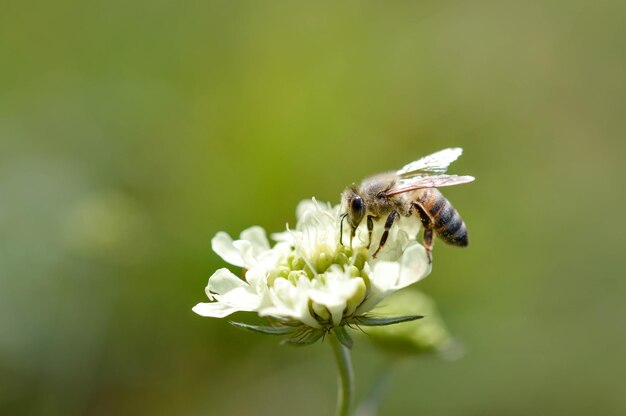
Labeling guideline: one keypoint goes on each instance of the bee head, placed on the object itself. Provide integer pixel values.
(354, 207)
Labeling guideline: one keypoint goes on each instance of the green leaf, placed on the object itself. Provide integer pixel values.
(305, 338)
(372, 321)
(343, 336)
(270, 330)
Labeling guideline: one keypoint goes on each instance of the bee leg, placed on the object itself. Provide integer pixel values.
(428, 225)
(370, 228)
(428, 243)
(352, 233)
(343, 217)
(388, 223)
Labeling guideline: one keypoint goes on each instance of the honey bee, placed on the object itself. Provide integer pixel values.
(408, 191)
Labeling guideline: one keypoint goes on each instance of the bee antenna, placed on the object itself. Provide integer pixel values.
(343, 217)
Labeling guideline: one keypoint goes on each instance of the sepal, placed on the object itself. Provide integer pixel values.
(303, 338)
(343, 337)
(263, 329)
(373, 321)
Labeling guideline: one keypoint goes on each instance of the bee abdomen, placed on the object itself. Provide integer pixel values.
(448, 224)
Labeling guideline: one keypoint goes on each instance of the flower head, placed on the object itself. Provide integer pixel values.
(308, 280)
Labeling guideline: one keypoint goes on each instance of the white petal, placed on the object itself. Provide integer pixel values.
(388, 277)
(305, 206)
(228, 289)
(223, 281)
(247, 254)
(410, 225)
(337, 292)
(270, 259)
(283, 237)
(222, 244)
(289, 300)
(213, 310)
(257, 278)
(414, 266)
(242, 252)
(257, 237)
(385, 275)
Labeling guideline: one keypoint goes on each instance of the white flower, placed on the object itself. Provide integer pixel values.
(308, 277)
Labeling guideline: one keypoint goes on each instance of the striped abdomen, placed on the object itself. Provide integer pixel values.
(443, 218)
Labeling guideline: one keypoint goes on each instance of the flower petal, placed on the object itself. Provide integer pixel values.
(411, 267)
(223, 281)
(290, 300)
(228, 289)
(415, 265)
(337, 291)
(257, 238)
(213, 309)
(387, 277)
(305, 206)
(246, 251)
(284, 237)
(222, 244)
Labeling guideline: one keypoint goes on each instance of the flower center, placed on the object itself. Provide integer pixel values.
(320, 261)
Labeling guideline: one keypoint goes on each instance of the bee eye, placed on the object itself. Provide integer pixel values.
(357, 205)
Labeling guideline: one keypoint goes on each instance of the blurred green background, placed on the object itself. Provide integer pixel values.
(131, 132)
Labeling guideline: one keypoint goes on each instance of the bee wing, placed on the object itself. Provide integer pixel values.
(438, 162)
(433, 181)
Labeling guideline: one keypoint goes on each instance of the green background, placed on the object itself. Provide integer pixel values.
(131, 132)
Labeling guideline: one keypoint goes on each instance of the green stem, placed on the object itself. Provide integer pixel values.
(345, 377)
